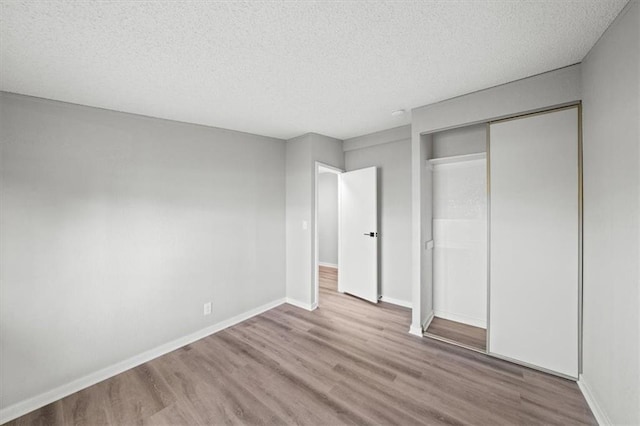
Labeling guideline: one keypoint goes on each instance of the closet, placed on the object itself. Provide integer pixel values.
(528, 219)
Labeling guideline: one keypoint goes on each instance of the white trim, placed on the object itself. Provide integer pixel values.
(596, 409)
(326, 168)
(427, 322)
(398, 302)
(26, 406)
(419, 331)
(328, 265)
(476, 322)
(416, 331)
(339, 233)
(323, 169)
(302, 305)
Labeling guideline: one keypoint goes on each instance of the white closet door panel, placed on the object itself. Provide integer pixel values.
(534, 244)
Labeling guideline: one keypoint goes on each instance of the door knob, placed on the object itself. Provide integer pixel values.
(371, 234)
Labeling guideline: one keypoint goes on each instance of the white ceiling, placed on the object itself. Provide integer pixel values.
(281, 69)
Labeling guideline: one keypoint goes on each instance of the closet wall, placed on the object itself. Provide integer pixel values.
(460, 225)
(611, 85)
(460, 141)
(390, 152)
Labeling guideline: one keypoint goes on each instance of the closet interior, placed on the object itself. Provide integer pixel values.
(457, 160)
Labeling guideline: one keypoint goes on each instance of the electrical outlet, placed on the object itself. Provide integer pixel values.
(207, 308)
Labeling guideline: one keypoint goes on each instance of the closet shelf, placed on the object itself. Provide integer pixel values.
(457, 159)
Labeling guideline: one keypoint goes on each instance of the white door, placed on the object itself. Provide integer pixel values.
(534, 240)
(358, 246)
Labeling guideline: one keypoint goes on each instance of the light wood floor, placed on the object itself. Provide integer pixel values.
(328, 280)
(463, 334)
(348, 362)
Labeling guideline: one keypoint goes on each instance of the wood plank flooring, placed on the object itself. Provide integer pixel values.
(463, 334)
(328, 280)
(347, 362)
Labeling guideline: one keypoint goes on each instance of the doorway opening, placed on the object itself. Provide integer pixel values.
(327, 230)
(348, 230)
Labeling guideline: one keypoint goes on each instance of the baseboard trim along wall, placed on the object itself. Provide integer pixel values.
(461, 318)
(398, 302)
(419, 331)
(21, 408)
(416, 331)
(596, 409)
(328, 265)
(427, 322)
(302, 305)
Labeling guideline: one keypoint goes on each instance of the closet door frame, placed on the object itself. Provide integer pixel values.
(578, 106)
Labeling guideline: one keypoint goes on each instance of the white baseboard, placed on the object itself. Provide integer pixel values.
(476, 322)
(416, 331)
(302, 305)
(596, 409)
(427, 322)
(398, 302)
(328, 265)
(419, 330)
(23, 407)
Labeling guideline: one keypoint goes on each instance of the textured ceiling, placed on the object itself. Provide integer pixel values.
(286, 68)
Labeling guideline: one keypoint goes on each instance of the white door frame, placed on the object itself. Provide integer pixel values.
(316, 257)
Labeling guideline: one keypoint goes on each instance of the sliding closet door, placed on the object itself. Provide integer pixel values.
(534, 240)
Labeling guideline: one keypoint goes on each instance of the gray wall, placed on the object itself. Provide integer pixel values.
(460, 141)
(301, 155)
(611, 143)
(394, 203)
(298, 202)
(328, 218)
(117, 228)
